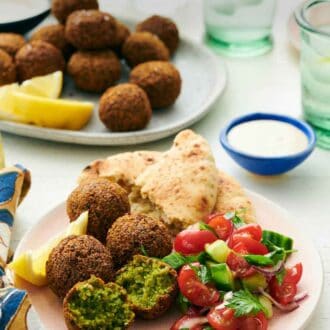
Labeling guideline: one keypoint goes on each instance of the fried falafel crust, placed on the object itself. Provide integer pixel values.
(7, 69)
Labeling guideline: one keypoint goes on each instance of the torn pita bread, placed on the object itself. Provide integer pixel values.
(181, 188)
(121, 168)
(232, 197)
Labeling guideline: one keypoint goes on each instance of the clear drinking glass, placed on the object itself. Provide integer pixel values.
(314, 21)
(239, 27)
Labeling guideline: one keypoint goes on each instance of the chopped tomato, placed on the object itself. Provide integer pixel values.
(194, 290)
(252, 246)
(192, 241)
(222, 318)
(189, 322)
(221, 225)
(251, 230)
(256, 322)
(293, 274)
(239, 266)
(240, 248)
(283, 293)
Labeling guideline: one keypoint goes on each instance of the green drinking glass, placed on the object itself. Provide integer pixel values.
(313, 18)
(239, 28)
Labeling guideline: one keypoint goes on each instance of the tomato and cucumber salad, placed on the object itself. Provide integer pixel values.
(231, 274)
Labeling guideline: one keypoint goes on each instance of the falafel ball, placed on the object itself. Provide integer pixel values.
(94, 305)
(75, 259)
(94, 71)
(123, 32)
(151, 285)
(133, 232)
(61, 9)
(91, 29)
(11, 42)
(160, 80)
(125, 107)
(7, 69)
(54, 34)
(105, 201)
(38, 58)
(142, 47)
(164, 28)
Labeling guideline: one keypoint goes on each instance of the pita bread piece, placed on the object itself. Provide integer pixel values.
(180, 188)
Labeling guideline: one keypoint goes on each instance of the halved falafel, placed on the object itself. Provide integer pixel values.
(75, 259)
(94, 305)
(38, 58)
(160, 80)
(91, 29)
(125, 107)
(106, 201)
(55, 35)
(7, 69)
(142, 47)
(151, 285)
(94, 71)
(164, 28)
(61, 9)
(132, 233)
(11, 42)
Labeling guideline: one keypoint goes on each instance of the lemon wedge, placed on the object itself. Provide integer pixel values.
(7, 102)
(47, 86)
(31, 265)
(59, 113)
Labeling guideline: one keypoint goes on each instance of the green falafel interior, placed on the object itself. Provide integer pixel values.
(94, 305)
(146, 280)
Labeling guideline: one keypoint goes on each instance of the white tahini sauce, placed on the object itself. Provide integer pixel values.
(267, 138)
(16, 10)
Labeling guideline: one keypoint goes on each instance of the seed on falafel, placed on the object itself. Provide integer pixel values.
(94, 305)
(61, 9)
(151, 285)
(142, 47)
(164, 28)
(11, 42)
(75, 259)
(160, 80)
(125, 107)
(54, 34)
(106, 201)
(38, 58)
(94, 71)
(132, 233)
(7, 69)
(91, 29)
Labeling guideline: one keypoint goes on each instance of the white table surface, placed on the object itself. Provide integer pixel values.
(269, 83)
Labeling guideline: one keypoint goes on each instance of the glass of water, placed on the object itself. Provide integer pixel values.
(313, 18)
(239, 27)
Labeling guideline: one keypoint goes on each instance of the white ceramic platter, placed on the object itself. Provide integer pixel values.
(269, 215)
(203, 81)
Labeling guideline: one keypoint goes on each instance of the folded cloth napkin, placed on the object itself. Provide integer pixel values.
(16, 311)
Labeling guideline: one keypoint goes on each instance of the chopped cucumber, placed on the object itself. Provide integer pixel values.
(221, 275)
(254, 282)
(278, 239)
(267, 306)
(218, 250)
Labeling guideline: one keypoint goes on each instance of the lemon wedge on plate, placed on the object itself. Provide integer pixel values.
(47, 86)
(7, 102)
(46, 112)
(31, 265)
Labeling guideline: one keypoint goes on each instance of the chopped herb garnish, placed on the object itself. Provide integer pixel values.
(177, 260)
(205, 226)
(184, 329)
(207, 328)
(143, 250)
(280, 276)
(258, 260)
(235, 219)
(244, 303)
(183, 303)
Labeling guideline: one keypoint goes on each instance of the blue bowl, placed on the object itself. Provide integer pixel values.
(25, 25)
(268, 165)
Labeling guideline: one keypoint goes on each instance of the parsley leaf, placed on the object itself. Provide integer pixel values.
(183, 303)
(280, 276)
(204, 274)
(175, 260)
(205, 226)
(207, 328)
(143, 250)
(235, 219)
(244, 303)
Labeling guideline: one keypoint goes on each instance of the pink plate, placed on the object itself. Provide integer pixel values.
(269, 216)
